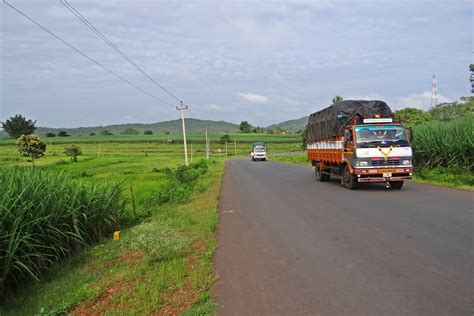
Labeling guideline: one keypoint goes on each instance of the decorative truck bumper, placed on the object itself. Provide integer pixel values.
(384, 174)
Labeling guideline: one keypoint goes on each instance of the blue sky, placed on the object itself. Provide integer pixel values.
(264, 62)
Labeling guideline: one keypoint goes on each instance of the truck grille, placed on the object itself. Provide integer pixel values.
(382, 162)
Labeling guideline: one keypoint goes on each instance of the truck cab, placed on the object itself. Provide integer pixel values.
(259, 152)
(377, 150)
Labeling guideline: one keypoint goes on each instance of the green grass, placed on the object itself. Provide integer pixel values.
(170, 252)
(166, 247)
(46, 217)
(445, 144)
(161, 139)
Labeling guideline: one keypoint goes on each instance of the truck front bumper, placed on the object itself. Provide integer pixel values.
(383, 174)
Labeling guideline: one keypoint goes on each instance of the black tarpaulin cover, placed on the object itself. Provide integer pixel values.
(326, 124)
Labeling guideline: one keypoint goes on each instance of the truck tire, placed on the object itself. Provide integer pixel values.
(317, 172)
(320, 176)
(397, 185)
(348, 180)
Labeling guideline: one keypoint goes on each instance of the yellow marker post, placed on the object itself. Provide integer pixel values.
(117, 235)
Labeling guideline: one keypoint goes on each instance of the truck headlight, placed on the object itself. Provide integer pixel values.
(362, 163)
(406, 162)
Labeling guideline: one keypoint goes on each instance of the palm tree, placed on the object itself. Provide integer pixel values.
(336, 99)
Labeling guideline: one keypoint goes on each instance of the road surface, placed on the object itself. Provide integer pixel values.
(288, 245)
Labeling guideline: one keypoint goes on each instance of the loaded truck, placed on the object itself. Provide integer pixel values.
(360, 141)
(259, 151)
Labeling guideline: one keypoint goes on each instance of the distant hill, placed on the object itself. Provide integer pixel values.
(292, 125)
(193, 126)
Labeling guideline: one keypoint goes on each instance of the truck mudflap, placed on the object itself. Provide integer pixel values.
(382, 179)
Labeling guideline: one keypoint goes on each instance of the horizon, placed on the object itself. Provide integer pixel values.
(261, 62)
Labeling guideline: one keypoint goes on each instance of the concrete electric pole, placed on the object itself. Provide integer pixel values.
(182, 108)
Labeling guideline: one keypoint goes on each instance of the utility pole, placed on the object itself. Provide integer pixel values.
(207, 147)
(235, 147)
(182, 108)
(434, 92)
(191, 153)
(226, 148)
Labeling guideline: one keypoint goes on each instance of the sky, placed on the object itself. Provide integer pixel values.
(260, 61)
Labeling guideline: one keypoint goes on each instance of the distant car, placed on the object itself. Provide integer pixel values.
(259, 152)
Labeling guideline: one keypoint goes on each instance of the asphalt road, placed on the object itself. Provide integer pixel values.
(288, 245)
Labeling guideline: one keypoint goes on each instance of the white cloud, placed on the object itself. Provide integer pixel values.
(420, 100)
(254, 98)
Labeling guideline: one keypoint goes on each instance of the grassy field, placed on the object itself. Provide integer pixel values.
(161, 138)
(163, 261)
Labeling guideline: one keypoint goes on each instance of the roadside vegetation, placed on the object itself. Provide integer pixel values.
(166, 214)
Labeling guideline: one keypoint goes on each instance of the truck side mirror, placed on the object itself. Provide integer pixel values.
(348, 135)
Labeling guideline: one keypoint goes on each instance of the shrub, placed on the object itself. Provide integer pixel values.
(31, 146)
(46, 217)
(72, 151)
(92, 134)
(50, 135)
(181, 183)
(148, 132)
(225, 139)
(63, 134)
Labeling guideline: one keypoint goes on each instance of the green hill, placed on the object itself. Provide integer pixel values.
(292, 125)
(193, 126)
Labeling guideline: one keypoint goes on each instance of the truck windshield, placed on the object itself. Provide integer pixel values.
(259, 149)
(387, 134)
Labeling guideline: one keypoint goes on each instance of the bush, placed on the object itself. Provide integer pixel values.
(129, 131)
(46, 217)
(91, 134)
(50, 135)
(148, 132)
(225, 139)
(445, 144)
(63, 134)
(72, 151)
(181, 183)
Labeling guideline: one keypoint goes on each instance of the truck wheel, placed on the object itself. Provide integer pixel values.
(349, 181)
(317, 171)
(325, 177)
(397, 185)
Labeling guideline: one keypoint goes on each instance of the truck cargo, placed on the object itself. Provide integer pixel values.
(360, 141)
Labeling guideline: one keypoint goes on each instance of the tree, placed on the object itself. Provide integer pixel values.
(63, 134)
(245, 127)
(31, 146)
(92, 134)
(72, 151)
(413, 116)
(50, 135)
(167, 136)
(129, 131)
(17, 125)
(336, 99)
(304, 138)
(450, 111)
(105, 133)
(148, 132)
(225, 138)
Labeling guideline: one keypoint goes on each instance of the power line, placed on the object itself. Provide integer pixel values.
(111, 44)
(85, 55)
